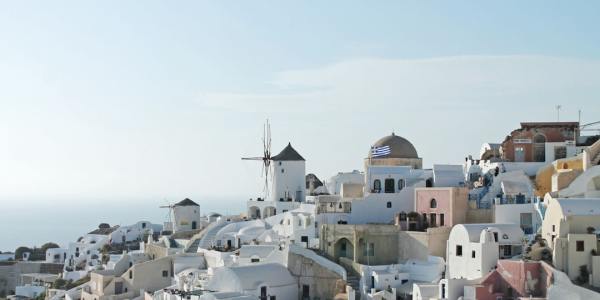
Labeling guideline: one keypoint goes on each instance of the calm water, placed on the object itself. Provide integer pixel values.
(34, 222)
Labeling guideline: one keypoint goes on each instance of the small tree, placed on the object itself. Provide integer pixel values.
(19, 252)
(590, 230)
(59, 283)
(584, 275)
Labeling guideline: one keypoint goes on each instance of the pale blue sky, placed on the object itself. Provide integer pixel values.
(121, 100)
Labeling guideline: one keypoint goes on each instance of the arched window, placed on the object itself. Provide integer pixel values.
(401, 184)
(433, 203)
(539, 148)
(377, 186)
(539, 138)
(429, 182)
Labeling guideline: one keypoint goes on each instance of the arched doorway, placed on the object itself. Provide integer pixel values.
(269, 211)
(254, 212)
(389, 185)
(429, 182)
(344, 248)
(539, 148)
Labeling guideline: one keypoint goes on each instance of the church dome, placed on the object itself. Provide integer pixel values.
(393, 146)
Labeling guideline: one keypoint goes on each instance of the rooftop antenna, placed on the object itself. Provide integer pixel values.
(266, 156)
(558, 107)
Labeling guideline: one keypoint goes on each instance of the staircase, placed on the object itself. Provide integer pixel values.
(193, 246)
(353, 280)
(596, 160)
(209, 237)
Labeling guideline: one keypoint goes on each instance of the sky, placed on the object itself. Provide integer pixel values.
(130, 103)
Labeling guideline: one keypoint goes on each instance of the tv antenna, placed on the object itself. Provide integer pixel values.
(558, 107)
(266, 157)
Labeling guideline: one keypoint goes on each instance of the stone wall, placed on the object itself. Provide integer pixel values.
(476, 216)
(322, 282)
(10, 273)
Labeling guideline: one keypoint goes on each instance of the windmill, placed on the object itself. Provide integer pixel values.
(169, 213)
(266, 156)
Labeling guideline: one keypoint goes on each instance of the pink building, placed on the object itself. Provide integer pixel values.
(442, 206)
(513, 279)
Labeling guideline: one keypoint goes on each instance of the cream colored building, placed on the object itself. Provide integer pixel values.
(148, 276)
(570, 228)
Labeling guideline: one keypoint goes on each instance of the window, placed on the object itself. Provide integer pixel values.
(377, 186)
(401, 184)
(402, 216)
(458, 250)
(553, 228)
(507, 251)
(441, 219)
(539, 148)
(496, 237)
(282, 170)
(432, 220)
(371, 249)
(473, 254)
(305, 291)
(254, 260)
(560, 152)
(165, 273)
(130, 274)
(389, 185)
(579, 246)
(433, 203)
(299, 222)
(389, 204)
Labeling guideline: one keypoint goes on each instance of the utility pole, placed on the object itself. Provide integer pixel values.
(558, 107)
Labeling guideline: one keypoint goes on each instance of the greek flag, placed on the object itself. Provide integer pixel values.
(380, 151)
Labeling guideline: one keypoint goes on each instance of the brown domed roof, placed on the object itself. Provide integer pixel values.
(399, 147)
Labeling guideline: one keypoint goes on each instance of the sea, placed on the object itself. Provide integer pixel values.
(33, 222)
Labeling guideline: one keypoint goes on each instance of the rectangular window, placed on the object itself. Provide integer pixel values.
(496, 237)
(305, 291)
(165, 273)
(371, 250)
(560, 152)
(441, 219)
(553, 228)
(432, 220)
(473, 254)
(458, 250)
(579, 246)
(507, 251)
(254, 260)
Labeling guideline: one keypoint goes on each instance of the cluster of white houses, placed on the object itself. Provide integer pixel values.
(521, 221)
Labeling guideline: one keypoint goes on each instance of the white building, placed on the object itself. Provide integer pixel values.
(334, 185)
(187, 215)
(297, 226)
(266, 281)
(134, 233)
(56, 255)
(288, 189)
(473, 249)
(389, 181)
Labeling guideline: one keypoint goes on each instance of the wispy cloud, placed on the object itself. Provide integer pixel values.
(367, 84)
